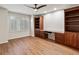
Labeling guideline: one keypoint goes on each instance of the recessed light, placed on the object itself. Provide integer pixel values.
(55, 8)
(45, 11)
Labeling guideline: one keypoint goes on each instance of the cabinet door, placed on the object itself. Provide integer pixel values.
(77, 44)
(59, 38)
(41, 34)
(37, 33)
(70, 39)
(67, 38)
(73, 39)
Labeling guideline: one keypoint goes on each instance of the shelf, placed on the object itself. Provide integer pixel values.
(73, 25)
(37, 23)
(72, 21)
(71, 31)
(72, 16)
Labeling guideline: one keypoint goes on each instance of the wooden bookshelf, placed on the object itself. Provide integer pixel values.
(72, 19)
(71, 35)
(39, 32)
(37, 20)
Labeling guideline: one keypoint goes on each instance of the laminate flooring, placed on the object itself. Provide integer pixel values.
(35, 46)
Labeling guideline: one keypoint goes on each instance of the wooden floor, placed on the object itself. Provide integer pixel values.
(35, 46)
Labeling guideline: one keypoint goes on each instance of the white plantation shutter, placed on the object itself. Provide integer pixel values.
(17, 25)
(23, 25)
(13, 26)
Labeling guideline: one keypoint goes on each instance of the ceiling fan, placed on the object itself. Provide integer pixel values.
(36, 7)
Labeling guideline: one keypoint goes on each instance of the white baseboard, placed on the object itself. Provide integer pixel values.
(3, 42)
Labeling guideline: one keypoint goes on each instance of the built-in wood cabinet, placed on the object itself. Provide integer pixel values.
(37, 33)
(71, 39)
(38, 22)
(71, 35)
(41, 34)
(68, 38)
(59, 38)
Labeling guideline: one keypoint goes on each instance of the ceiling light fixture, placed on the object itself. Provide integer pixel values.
(55, 8)
(35, 10)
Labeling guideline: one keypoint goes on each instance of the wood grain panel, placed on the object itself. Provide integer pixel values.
(72, 9)
(59, 37)
(71, 39)
(41, 23)
(77, 40)
(68, 38)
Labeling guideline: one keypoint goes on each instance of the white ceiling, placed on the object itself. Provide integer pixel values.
(20, 8)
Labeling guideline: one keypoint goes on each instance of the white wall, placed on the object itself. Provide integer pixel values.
(32, 25)
(54, 21)
(13, 35)
(3, 25)
(5, 33)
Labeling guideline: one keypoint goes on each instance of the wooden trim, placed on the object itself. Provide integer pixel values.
(72, 9)
(41, 23)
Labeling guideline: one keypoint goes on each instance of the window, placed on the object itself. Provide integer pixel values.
(17, 24)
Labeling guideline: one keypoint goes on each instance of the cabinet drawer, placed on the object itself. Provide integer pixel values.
(59, 37)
